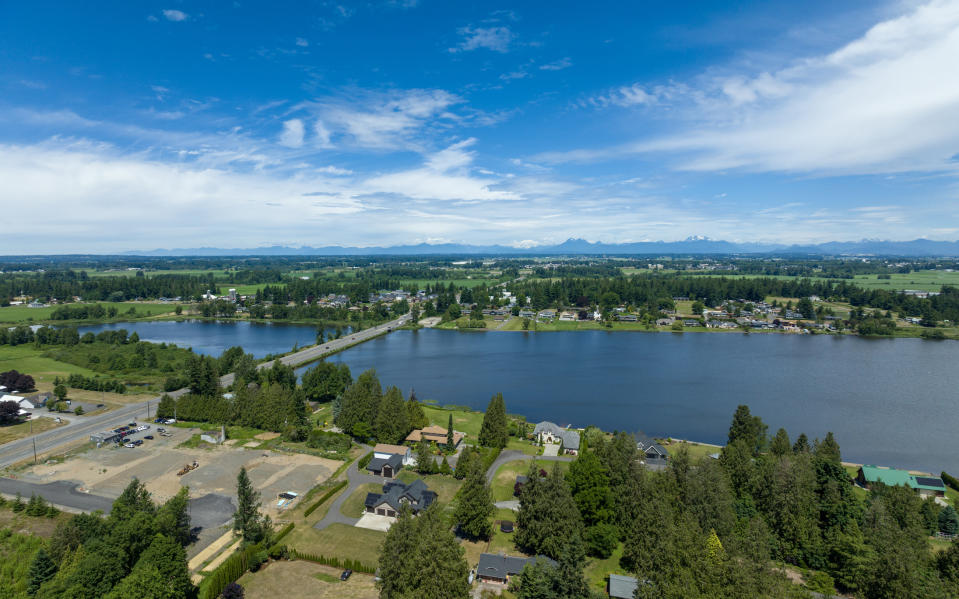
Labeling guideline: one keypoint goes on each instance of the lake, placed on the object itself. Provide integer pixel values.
(213, 338)
(888, 401)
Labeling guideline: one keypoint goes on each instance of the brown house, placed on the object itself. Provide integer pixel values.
(434, 434)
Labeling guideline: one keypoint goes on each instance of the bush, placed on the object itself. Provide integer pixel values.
(601, 540)
(326, 496)
(334, 562)
(329, 441)
(18, 504)
(950, 480)
(820, 582)
(364, 461)
(78, 410)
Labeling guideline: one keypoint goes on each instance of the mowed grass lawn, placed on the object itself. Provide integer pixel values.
(445, 487)
(23, 314)
(12, 432)
(305, 580)
(354, 506)
(463, 421)
(340, 540)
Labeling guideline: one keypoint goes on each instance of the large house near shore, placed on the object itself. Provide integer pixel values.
(396, 494)
(549, 432)
(434, 434)
(497, 568)
(926, 486)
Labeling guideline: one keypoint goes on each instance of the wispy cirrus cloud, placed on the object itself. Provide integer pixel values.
(878, 104)
(496, 38)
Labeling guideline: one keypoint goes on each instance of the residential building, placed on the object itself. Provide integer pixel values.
(654, 452)
(621, 587)
(926, 486)
(497, 568)
(548, 432)
(396, 494)
(388, 460)
(434, 434)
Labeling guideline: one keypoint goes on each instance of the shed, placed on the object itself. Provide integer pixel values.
(622, 587)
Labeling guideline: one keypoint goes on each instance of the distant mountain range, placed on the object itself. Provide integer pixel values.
(697, 245)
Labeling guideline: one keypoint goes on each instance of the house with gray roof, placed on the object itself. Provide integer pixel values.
(497, 568)
(622, 587)
(654, 452)
(396, 494)
(549, 432)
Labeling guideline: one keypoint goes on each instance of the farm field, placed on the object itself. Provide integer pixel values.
(29, 360)
(924, 280)
(12, 432)
(24, 314)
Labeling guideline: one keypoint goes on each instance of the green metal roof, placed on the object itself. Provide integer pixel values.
(893, 477)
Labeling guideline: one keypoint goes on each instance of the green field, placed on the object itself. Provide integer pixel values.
(345, 542)
(922, 280)
(29, 360)
(23, 314)
(219, 273)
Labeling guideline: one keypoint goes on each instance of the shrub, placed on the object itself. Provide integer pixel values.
(950, 480)
(336, 488)
(364, 461)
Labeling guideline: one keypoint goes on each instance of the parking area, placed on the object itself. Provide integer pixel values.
(107, 470)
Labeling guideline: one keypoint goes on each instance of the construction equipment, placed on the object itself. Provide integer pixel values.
(188, 468)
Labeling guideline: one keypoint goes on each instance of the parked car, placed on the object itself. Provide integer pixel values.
(132, 425)
(170, 421)
(130, 445)
(138, 442)
(160, 429)
(346, 574)
(158, 420)
(150, 437)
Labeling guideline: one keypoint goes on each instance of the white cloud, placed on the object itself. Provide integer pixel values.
(301, 42)
(174, 15)
(322, 135)
(334, 170)
(292, 134)
(885, 102)
(496, 39)
(557, 65)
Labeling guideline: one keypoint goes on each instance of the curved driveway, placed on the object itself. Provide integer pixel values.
(355, 479)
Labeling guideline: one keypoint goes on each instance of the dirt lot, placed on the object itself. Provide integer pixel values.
(299, 580)
(108, 470)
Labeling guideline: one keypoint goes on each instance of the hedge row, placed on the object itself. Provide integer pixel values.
(364, 461)
(229, 571)
(335, 562)
(336, 488)
(283, 532)
(950, 480)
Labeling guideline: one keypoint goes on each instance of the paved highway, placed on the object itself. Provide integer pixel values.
(23, 449)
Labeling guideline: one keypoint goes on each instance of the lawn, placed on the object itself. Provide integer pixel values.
(305, 580)
(697, 451)
(345, 542)
(354, 505)
(12, 432)
(597, 570)
(29, 360)
(23, 314)
(445, 487)
(505, 479)
(463, 421)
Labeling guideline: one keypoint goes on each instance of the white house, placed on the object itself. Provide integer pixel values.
(548, 432)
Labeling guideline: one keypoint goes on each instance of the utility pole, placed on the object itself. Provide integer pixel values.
(34, 450)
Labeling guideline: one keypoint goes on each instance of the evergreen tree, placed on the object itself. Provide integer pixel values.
(589, 484)
(42, 569)
(252, 526)
(948, 521)
(570, 582)
(802, 444)
(828, 449)
(326, 380)
(173, 518)
(547, 516)
(780, 445)
(493, 432)
(748, 428)
(424, 457)
(360, 402)
(449, 434)
(421, 559)
(392, 418)
(417, 415)
(475, 509)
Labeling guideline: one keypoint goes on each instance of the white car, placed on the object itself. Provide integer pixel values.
(130, 445)
(170, 421)
(142, 427)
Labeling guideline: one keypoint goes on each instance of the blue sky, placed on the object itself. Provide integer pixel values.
(138, 125)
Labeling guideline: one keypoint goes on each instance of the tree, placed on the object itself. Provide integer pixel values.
(474, 512)
(589, 484)
(602, 539)
(493, 432)
(168, 557)
(948, 521)
(326, 380)
(748, 428)
(392, 418)
(416, 414)
(547, 516)
(60, 391)
(359, 402)
(802, 444)
(449, 434)
(253, 526)
(42, 569)
(232, 591)
(424, 458)
(173, 517)
(9, 412)
(780, 445)
(420, 558)
(828, 449)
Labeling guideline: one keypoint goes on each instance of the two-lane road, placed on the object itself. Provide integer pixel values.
(23, 449)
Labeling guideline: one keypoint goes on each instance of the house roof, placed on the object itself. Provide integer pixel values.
(396, 494)
(495, 565)
(570, 438)
(647, 445)
(395, 461)
(893, 477)
(391, 449)
(434, 433)
(622, 587)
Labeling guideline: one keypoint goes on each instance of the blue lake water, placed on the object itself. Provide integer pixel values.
(889, 401)
(213, 338)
